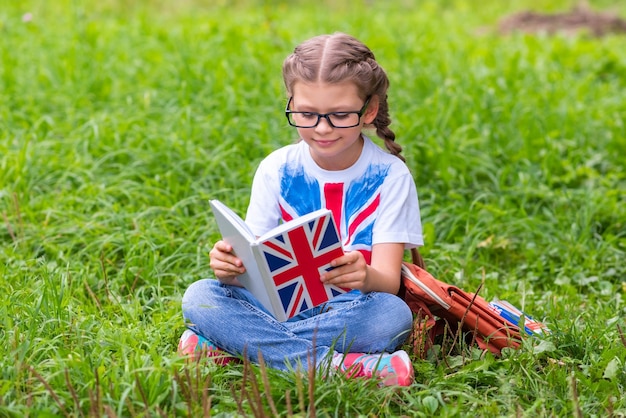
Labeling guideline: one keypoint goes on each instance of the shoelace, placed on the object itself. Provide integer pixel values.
(367, 363)
(376, 363)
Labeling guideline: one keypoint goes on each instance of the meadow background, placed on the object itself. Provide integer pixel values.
(120, 119)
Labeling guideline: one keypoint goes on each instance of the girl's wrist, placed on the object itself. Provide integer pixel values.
(366, 280)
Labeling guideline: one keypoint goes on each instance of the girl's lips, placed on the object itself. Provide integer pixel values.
(324, 142)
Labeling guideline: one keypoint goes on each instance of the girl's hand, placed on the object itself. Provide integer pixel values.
(350, 270)
(382, 275)
(225, 264)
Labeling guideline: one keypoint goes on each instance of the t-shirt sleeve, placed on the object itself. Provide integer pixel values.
(399, 217)
(263, 211)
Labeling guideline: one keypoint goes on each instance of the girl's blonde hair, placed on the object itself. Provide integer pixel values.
(338, 58)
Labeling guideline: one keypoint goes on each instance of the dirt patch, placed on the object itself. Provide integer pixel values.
(581, 19)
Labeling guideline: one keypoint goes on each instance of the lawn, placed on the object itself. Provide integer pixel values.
(119, 120)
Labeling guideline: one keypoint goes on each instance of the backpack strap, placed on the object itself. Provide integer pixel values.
(417, 258)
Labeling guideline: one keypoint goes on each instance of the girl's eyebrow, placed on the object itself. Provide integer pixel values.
(311, 108)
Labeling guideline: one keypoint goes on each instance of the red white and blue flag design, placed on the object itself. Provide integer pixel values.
(297, 258)
(354, 205)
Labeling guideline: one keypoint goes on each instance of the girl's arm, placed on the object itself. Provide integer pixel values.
(383, 275)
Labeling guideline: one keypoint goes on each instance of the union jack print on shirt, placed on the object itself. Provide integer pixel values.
(297, 258)
(354, 204)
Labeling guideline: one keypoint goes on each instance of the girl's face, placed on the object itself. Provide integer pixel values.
(332, 148)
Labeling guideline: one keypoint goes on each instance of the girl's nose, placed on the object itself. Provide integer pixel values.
(323, 126)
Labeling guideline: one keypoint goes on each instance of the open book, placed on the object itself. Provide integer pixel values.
(283, 266)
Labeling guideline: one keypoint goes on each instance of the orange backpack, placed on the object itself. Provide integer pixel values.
(443, 309)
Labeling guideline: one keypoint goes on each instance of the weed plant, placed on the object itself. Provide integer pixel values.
(119, 120)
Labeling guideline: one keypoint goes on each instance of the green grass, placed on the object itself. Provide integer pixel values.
(119, 120)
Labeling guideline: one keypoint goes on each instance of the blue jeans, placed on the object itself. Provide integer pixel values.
(235, 321)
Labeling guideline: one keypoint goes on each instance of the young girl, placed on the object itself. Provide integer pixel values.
(336, 89)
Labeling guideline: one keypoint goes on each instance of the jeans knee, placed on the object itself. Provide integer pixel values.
(395, 313)
(399, 315)
(404, 318)
(198, 293)
(394, 322)
(405, 315)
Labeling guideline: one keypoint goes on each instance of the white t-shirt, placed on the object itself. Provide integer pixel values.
(373, 201)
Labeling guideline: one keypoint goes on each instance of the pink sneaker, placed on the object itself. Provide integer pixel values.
(196, 346)
(393, 369)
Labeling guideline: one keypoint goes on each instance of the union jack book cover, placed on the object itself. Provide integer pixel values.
(283, 266)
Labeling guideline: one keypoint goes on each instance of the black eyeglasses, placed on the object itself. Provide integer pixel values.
(347, 119)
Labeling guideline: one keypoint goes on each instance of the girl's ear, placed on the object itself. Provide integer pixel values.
(371, 111)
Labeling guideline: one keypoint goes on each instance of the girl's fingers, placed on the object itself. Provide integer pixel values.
(343, 277)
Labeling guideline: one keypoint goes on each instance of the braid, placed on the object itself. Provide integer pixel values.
(382, 120)
(339, 57)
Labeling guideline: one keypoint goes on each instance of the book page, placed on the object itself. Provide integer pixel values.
(225, 215)
(235, 232)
